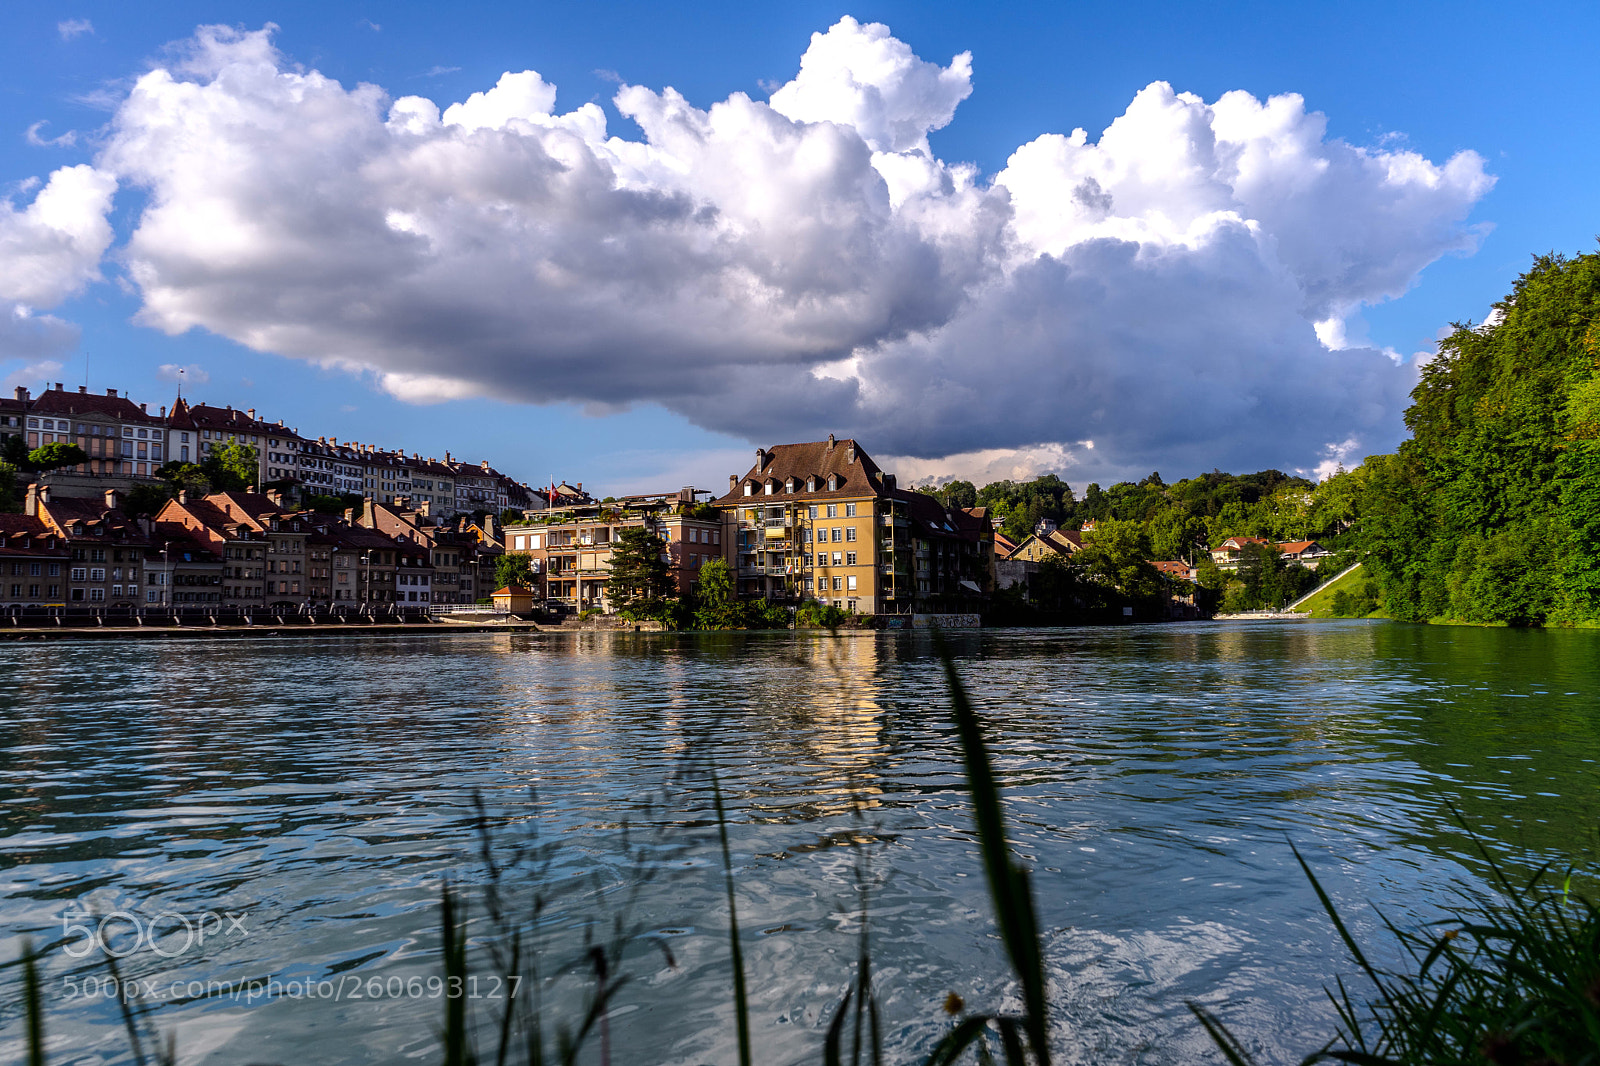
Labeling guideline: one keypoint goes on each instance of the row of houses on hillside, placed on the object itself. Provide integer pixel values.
(126, 443)
(240, 550)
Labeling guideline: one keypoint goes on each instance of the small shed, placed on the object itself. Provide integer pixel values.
(513, 599)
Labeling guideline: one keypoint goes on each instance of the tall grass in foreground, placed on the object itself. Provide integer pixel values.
(1510, 979)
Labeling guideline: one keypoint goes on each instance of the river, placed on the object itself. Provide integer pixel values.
(300, 800)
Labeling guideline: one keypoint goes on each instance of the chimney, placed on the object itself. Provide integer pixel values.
(83, 390)
(489, 524)
(251, 489)
(349, 516)
(424, 509)
(276, 497)
(183, 495)
(111, 393)
(830, 442)
(58, 386)
(850, 456)
(733, 483)
(44, 493)
(22, 394)
(252, 414)
(369, 517)
(580, 486)
(143, 409)
(30, 507)
(761, 458)
(111, 499)
(888, 482)
(163, 411)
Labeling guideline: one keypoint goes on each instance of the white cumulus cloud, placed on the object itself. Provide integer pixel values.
(50, 249)
(780, 269)
(70, 28)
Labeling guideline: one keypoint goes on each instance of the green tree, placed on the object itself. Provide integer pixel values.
(9, 497)
(513, 568)
(55, 456)
(14, 450)
(146, 500)
(1117, 554)
(186, 476)
(715, 607)
(1489, 511)
(640, 581)
(231, 468)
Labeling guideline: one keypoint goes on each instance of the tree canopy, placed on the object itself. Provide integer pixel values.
(640, 581)
(1491, 511)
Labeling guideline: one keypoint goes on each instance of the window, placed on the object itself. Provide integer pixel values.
(837, 534)
(116, 591)
(150, 597)
(97, 575)
(55, 569)
(849, 510)
(822, 584)
(77, 594)
(850, 583)
(78, 574)
(837, 559)
(850, 534)
(833, 510)
(97, 595)
(851, 605)
(33, 569)
(837, 583)
(33, 590)
(813, 510)
(822, 558)
(833, 482)
(850, 560)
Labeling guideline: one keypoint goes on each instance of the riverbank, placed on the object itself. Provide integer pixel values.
(284, 630)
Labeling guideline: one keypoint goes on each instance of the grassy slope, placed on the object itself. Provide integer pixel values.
(1320, 605)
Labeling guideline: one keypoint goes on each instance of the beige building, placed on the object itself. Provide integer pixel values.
(821, 521)
(570, 548)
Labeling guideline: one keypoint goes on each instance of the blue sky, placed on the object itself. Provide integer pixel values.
(1514, 87)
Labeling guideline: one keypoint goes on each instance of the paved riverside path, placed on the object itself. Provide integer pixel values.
(258, 630)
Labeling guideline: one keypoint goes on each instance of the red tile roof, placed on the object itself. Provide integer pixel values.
(90, 405)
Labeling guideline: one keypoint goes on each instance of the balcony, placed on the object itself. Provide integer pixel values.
(772, 522)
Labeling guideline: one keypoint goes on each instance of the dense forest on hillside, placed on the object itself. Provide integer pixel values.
(1491, 511)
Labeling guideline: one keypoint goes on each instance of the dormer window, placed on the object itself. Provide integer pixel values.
(788, 486)
(811, 484)
(833, 482)
(749, 488)
(771, 487)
